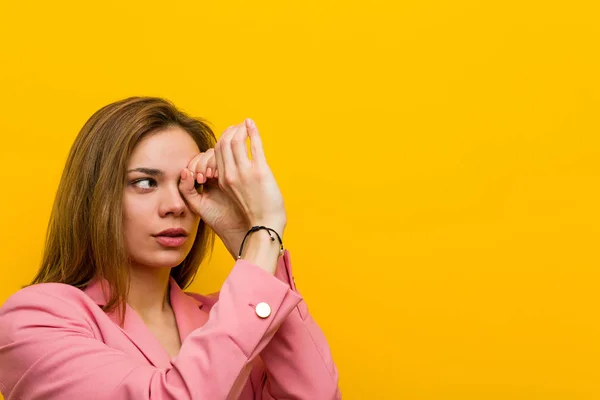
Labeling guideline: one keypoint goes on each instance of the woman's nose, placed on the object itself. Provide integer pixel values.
(172, 202)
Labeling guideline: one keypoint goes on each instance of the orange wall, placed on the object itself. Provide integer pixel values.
(439, 161)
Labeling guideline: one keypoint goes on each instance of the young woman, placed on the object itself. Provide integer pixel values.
(144, 190)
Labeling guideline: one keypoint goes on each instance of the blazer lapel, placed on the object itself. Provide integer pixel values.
(187, 315)
(187, 309)
(143, 338)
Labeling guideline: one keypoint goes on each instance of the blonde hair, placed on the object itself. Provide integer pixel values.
(85, 232)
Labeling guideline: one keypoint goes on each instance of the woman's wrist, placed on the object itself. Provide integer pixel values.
(259, 249)
(278, 224)
(232, 241)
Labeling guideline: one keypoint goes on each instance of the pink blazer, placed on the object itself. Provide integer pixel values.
(57, 343)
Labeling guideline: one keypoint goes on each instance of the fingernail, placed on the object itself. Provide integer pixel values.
(250, 122)
(209, 172)
(200, 178)
(183, 174)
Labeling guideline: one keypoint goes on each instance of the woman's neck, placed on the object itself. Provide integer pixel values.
(149, 291)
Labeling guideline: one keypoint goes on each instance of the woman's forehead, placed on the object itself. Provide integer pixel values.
(171, 148)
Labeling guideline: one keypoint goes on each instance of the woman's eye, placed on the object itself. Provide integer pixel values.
(145, 183)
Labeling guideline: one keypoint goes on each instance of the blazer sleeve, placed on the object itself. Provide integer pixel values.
(298, 361)
(50, 350)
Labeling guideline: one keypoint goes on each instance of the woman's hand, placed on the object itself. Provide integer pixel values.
(238, 192)
(216, 208)
(250, 182)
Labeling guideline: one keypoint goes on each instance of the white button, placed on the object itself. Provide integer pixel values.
(263, 310)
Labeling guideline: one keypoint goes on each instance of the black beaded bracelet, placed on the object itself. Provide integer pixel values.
(257, 228)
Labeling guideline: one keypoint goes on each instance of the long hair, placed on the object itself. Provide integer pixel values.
(85, 233)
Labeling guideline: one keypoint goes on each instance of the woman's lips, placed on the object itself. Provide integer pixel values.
(171, 241)
(172, 237)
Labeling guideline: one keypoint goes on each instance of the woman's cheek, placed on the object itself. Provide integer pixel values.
(136, 221)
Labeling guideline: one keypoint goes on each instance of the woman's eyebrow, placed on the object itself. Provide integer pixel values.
(149, 171)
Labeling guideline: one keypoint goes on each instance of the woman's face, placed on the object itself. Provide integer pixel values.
(152, 203)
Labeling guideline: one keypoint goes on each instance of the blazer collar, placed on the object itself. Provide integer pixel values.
(188, 315)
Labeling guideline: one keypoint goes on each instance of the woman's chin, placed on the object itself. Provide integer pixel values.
(163, 260)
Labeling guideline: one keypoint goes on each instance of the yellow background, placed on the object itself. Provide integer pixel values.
(439, 162)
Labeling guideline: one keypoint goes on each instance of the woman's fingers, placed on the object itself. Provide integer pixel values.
(256, 146)
(188, 189)
(229, 167)
(204, 164)
(250, 183)
(220, 162)
(225, 162)
(238, 147)
(211, 163)
(231, 153)
(196, 167)
(219, 150)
